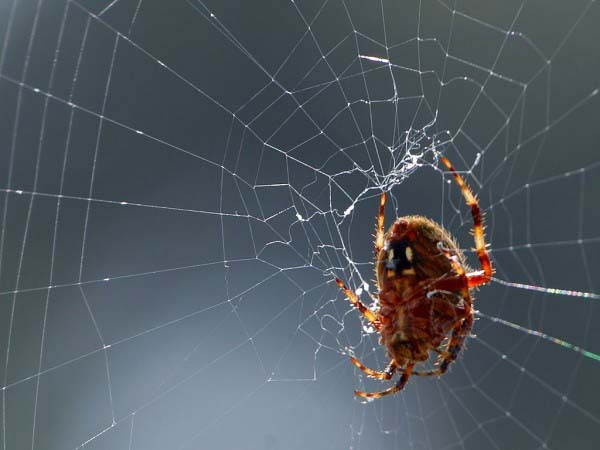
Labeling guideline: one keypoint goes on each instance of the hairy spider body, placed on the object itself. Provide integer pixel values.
(415, 314)
(424, 292)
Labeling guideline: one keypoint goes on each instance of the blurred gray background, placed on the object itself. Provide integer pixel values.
(173, 183)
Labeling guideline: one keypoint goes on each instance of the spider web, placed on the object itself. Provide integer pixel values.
(181, 185)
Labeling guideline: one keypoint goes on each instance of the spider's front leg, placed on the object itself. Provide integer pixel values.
(379, 233)
(482, 276)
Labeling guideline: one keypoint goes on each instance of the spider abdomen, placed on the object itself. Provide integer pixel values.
(416, 315)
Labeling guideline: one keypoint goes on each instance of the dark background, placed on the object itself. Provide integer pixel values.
(174, 177)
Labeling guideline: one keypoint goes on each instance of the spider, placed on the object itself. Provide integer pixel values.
(424, 292)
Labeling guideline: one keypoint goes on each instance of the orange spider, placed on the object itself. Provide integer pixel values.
(424, 292)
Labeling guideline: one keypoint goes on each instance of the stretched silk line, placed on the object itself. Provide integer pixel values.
(545, 336)
(548, 290)
(374, 58)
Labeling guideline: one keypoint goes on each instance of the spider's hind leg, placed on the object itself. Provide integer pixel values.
(457, 340)
(387, 374)
(459, 335)
(406, 373)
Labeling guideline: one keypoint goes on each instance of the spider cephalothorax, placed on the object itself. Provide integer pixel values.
(424, 298)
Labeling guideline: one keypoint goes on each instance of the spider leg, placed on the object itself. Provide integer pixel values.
(434, 372)
(387, 374)
(429, 373)
(481, 276)
(457, 267)
(370, 316)
(454, 346)
(379, 230)
(459, 334)
(462, 326)
(456, 285)
(406, 373)
(443, 353)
